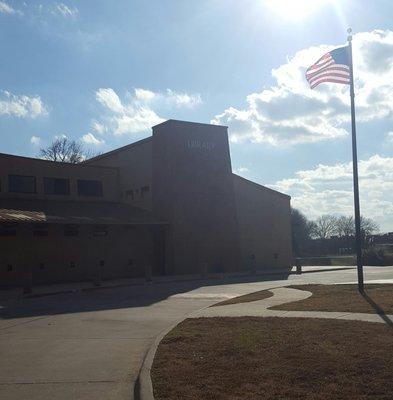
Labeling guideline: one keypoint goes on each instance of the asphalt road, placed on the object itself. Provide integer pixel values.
(91, 345)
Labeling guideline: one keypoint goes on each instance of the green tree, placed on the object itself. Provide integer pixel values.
(301, 230)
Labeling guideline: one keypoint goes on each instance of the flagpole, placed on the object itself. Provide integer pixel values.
(359, 262)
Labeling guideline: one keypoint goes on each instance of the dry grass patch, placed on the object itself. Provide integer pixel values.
(346, 298)
(274, 358)
(263, 294)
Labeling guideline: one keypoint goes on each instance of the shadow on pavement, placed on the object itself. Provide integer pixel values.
(107, 298)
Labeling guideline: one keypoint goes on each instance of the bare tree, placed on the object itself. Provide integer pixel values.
(368, 226)
(324, 226)
(64, 150)
(345, 226)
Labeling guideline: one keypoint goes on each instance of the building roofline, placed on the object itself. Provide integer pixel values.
(259, 186)
(168, 121)
(60, 163)
(114, 151)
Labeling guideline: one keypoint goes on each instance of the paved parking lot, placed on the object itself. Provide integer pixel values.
(90, 345)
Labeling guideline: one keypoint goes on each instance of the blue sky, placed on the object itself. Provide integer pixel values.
(105, 71)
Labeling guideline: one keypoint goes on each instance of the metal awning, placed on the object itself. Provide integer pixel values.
(73, 212)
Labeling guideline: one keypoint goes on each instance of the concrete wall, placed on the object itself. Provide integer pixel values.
(125, 252)
(193, 191)
(264, 222)
(135, 171)
(14, 165)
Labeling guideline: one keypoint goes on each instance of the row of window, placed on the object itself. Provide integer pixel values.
(57, 186)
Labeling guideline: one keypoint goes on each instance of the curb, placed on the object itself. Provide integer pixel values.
(143, 388)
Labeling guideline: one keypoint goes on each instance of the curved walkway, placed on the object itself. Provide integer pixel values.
(258, 308)
(280, 296)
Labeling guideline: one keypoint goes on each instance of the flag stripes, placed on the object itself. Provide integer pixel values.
(331, 67)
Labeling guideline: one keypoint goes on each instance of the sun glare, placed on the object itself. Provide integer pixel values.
(294, 9)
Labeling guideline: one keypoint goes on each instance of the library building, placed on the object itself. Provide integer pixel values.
(169, 204)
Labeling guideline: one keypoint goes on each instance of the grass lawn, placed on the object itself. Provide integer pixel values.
(263, 294)
(327, 260)
(343, 298)
(345, 260)
(274, 358)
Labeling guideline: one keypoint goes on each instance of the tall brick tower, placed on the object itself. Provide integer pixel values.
(193, 190)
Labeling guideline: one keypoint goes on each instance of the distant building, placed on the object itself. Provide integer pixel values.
(338, 245)
(341, 245)
(169, 201)
(382, 238)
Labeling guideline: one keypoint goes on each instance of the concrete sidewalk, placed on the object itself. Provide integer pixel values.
(284, 295)
(85, 286)
(90, 344)
(260, 308)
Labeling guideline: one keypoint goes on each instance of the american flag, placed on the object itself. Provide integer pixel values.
(331, 67)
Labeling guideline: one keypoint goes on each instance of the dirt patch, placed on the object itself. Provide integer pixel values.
(263, 294)
(274, 358)
(346, 298)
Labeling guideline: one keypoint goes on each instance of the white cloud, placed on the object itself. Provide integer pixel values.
(389, 136)
(291, 113)
(6, 8)
(35, 140)
(21, 106)
(327, 189)
(89, 138)
(98, 127)
(144, 95)
(138, 111)
(182, 99)
(109, 99)
(241, 170)
(169, 98)
(65, 11)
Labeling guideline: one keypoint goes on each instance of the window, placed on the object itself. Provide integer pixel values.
(144, 190)
(89, 188)
(21, 184)
(56, 186)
